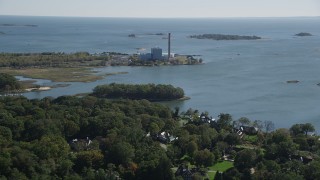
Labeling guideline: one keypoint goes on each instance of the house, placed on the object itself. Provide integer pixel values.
(164, 137)
(184, 172)
(249, 130)
(80, 144)
(303, 158)
(202, 119)
(205, 119)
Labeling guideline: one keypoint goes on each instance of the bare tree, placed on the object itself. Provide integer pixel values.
(269, 126)
(258, 124)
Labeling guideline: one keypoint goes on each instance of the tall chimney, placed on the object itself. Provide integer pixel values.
(169, 46)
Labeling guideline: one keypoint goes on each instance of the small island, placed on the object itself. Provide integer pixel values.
(147, 34)
(303, 34)
(224, 37)
(151, 92)
(1, 33)
(30, 25)
(17, 25)
(293, 81)
(156, 34)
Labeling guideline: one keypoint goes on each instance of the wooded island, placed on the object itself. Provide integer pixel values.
(151, 92)
(224, 37)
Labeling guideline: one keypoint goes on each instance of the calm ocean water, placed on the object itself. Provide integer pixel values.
(243, 78)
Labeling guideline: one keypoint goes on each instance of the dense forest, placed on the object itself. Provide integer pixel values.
(94, 138)
(151, 92)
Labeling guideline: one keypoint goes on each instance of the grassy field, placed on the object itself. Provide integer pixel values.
(221, 167)
(55, 74)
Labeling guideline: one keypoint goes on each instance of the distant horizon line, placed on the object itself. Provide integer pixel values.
(225, 17)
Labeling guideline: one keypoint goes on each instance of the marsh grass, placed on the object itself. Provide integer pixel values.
(81, 74)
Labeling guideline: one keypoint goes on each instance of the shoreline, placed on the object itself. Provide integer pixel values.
(45, 88)
(184, 98)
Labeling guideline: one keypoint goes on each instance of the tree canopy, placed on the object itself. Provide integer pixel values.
(95, 138)
(150, 92)
(8, 82)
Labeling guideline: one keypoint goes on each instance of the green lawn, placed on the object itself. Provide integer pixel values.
(250, 138)
(221, 167)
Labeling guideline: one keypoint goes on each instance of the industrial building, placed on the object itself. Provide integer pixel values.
(156, 53)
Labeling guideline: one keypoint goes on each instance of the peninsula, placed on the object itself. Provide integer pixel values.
(77, 67)
(224, 37)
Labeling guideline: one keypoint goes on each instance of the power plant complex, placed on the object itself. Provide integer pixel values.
(157, 54)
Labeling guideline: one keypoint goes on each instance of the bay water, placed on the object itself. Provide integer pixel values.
(243, 78)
